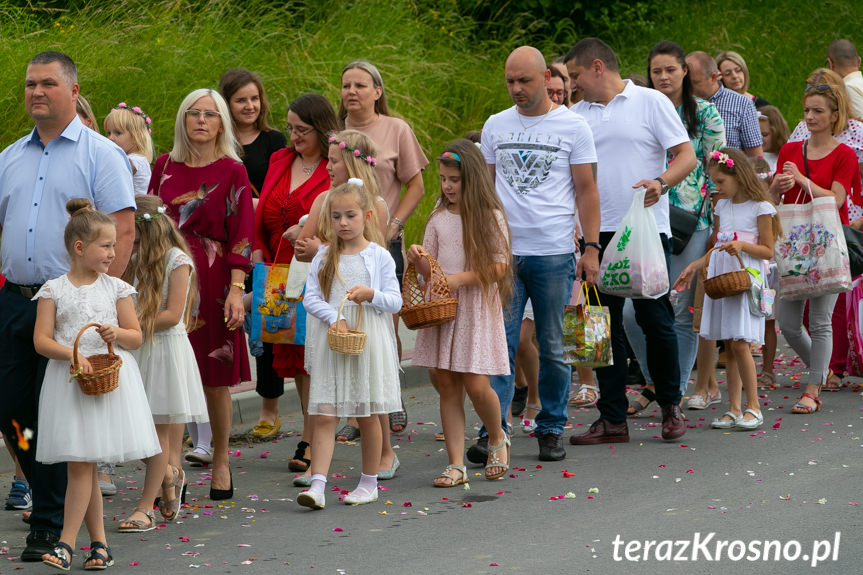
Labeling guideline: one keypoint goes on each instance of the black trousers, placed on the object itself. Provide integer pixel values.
(21, 373)
(656, 319)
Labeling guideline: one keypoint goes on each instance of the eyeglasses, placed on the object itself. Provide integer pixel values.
(298, 130)
(819, 88)
(208, 114)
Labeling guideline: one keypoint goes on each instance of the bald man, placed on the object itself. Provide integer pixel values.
(842, 58)
(543, 162)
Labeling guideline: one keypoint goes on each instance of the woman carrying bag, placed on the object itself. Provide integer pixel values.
(816, 168)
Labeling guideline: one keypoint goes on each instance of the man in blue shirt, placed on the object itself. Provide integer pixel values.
(738, 113)
(59, 160)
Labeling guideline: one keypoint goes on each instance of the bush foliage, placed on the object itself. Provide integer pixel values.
(442, 60)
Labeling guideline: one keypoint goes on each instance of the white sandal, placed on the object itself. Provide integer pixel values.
(529, 425)
(581, 398)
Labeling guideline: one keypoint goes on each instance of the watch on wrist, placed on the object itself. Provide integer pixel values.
(594, 245)
(663, 185)
(398, 222)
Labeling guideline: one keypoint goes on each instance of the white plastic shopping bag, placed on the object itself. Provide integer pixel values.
(634, 262)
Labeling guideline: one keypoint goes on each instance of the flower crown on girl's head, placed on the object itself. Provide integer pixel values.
(138, 111)
(721, 158)
(160, 211)
(357, 153)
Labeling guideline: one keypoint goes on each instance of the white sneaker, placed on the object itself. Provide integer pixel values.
(312, 499)
(360, 496)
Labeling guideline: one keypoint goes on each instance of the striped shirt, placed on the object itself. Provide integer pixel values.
(740, 118)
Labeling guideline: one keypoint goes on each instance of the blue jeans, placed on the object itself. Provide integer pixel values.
(687, 339)
(21, 373)
(547, 282)
(655, 317)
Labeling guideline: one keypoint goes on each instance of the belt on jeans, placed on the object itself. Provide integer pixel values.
(26, 291)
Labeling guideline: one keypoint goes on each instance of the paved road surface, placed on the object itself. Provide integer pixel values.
(796, 481)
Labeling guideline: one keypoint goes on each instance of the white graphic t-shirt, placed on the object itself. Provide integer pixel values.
(532, 156)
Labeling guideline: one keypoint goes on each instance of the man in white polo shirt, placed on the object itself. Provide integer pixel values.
(542, 159)
(633, 128)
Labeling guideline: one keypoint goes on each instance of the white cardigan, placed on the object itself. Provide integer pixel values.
(382, 269)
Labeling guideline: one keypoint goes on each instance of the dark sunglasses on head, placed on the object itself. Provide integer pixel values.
(819, 88)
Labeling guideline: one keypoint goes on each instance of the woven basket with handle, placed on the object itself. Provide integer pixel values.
(418, 312)
(727, 284)
(351, 342)
(106, 368)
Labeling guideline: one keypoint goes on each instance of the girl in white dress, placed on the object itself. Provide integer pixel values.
(745, 225)
(364, 385)
(162, 272)
(83, 429)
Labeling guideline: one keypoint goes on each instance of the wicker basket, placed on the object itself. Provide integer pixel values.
(351, 342)
(416, 312)
(106, 368)
(727, 284)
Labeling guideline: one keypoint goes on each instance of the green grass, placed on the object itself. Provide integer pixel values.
(443, 72)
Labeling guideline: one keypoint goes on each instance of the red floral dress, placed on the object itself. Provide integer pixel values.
(212, 206)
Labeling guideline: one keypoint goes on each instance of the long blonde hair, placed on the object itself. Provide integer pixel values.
(371, 231)
(155, 234)
(479, 207)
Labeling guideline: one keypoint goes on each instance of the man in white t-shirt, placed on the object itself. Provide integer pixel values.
(633, 128)
(542, 159)
(842, 58)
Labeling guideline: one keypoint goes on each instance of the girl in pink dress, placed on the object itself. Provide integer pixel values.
(469, 237)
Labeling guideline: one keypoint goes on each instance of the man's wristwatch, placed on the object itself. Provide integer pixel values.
(593, 244)
(663, 185)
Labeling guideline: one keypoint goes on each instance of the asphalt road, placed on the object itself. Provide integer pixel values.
(796, 482)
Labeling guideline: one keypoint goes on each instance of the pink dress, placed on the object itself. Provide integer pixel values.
(475, 342)
(212, 206)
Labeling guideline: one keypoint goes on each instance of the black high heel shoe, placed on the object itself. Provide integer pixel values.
(221, 494)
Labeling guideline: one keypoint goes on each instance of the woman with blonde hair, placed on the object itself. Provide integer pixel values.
(735, 75)
(206, 190)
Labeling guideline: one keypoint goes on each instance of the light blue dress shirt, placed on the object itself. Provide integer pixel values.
(36, 181)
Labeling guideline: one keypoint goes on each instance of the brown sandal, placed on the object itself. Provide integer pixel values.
(137, 525)
(169, 508)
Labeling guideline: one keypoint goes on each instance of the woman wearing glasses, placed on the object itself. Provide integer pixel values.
(296, 176)
(820, 166)
(247, 100)
(205, 187)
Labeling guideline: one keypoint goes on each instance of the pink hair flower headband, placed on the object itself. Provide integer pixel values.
(355, 151)
(136, 110)
(721, 158)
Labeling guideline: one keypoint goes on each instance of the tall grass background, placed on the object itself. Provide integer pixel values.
(442, 62)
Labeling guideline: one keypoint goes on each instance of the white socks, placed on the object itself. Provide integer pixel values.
(368, 483)
(319, 482)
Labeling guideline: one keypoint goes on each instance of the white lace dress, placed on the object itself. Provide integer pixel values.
(112, 427)
(730, 318)
(168, 367)
(353, 385)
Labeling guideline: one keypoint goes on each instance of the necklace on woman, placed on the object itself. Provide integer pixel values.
(535, 124)
(309, 169)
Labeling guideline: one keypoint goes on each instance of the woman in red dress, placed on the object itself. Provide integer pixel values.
(296, 176)
(205, 187)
